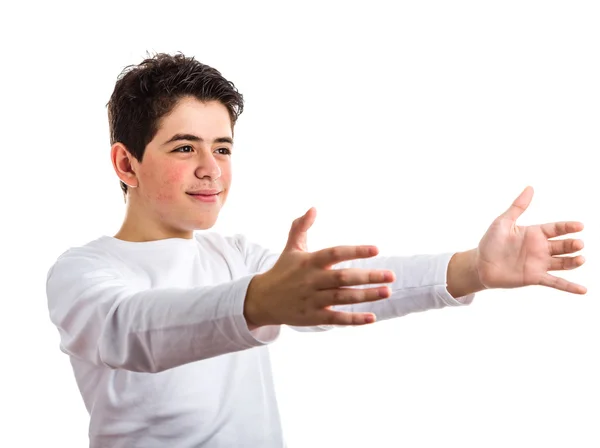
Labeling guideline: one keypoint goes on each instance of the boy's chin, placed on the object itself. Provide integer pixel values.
(205, 222)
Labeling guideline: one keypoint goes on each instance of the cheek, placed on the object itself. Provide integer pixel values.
(167, 182)
(173, 176)
(226, 175)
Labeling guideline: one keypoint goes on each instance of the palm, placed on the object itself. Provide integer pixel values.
(514, 255)
(511, 256)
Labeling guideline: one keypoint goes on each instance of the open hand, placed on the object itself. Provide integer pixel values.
(511, 256)
(301, 287)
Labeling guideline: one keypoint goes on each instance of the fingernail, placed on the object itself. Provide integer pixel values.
(370, 319)
(383, 292)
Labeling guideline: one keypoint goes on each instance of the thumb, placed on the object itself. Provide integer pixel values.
(519, 205)
(297, 238)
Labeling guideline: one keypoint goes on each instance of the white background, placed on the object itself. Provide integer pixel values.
(409, 126)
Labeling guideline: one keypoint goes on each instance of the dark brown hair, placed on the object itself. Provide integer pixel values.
(146, 92)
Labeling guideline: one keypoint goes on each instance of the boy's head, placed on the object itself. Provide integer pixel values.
(171, 122)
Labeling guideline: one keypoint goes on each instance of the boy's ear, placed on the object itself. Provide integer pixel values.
(122, 163)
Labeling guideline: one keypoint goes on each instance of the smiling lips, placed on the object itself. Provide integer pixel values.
(205, 195)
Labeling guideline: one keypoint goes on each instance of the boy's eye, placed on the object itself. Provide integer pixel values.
(224, 151)
(184, 149)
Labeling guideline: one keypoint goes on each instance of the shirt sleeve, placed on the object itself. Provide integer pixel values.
(104, 320)
(420, 285)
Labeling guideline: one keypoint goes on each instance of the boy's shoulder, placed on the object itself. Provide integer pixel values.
(97, 247)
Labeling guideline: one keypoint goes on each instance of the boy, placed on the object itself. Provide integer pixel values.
(168, 331)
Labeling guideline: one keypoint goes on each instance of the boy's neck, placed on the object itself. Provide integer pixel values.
(136, 228)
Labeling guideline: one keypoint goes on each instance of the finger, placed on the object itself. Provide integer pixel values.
(326, 258)
(297, 238)
(337, 278)
(566, 263)
(555, 229)
(330, 317)
(566, 246)
(519, 205)
(349, 296)
(562, 284)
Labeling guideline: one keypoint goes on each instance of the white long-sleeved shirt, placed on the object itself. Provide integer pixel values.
(159, 345)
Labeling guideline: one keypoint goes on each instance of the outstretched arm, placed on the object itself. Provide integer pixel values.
(508, 256)
(105, 320)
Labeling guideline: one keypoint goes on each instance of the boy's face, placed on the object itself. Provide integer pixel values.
(185, 174)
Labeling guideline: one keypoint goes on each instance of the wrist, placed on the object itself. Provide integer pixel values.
(463, 276)
(251, 309)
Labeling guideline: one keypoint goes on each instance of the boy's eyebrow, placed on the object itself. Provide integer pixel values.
(195, 138)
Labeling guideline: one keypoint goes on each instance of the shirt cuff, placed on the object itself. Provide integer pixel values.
(259, 336)
(443, 294)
